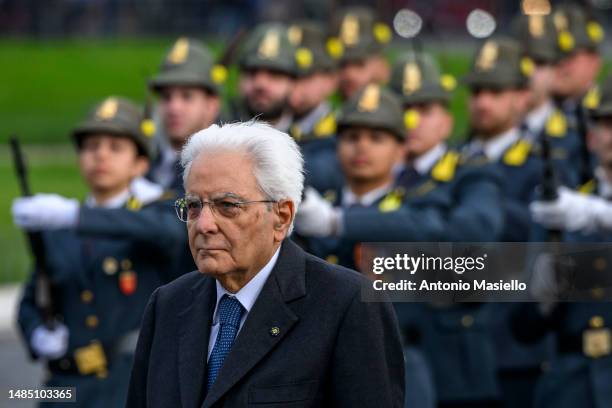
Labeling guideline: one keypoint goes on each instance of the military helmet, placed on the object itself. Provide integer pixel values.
(373, 107)
(356, 34)
(189, 63)
(500, 64)
(311, 53)
(268, 47)
(416, 78)
(116, 116)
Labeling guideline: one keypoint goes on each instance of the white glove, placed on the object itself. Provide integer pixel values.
(571, 211)
(50, 344)
(45, 212)
(316, 217)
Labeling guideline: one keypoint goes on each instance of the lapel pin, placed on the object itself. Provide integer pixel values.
(274, 331)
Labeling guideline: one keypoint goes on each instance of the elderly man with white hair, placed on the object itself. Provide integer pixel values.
(261, 322)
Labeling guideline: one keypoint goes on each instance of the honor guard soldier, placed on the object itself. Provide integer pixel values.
(371, 133)
(104, 258)
(544, 120)
(188, 86)
(314, 126)
(358, 40)
(268, 68)
(499, 81)
(579, 38)
(581, 372)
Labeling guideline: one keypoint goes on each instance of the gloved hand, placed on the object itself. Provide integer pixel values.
(571, 211)
(50, 344)
(316, 217)
(45, 212)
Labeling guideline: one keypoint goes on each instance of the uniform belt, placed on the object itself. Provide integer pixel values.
(94, 358)
(592, 343)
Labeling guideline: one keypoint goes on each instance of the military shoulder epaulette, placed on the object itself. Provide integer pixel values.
(444, 169)
(518, 153)
(326, 127)
(556, 125)
(392, 201)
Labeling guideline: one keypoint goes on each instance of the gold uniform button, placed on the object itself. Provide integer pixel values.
(92, 321)
(467, 321)
(86, 296)
(596, 322)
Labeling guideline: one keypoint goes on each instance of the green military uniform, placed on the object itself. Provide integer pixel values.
(102, 273)
(187, 63)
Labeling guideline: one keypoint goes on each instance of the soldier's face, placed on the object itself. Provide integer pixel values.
(600, 141)
(493, 112)
(266, 92)
(576, 74)
(237, 247)
(186, 110)
(434, 126)
(368, 155)
(311, 91)
(108, 163)
(354, 75)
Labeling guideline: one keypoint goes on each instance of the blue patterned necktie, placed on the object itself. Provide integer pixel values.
(229, 312)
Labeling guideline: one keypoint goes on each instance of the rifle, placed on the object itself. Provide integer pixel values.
(43, 296)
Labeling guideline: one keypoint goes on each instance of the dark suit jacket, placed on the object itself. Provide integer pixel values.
(332, 349)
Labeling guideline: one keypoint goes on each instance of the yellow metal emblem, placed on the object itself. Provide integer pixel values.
(382, 33)
(147, 127)
(334, 47)
(179, 52)
(448, 82)
(303, 58)
(134, 204)
(326, 126)
(597, 343)
(592, 98)
(91, 359)
(370, 99)
(527, 66)
(110, 266)
(536, 25)
(295, 35)
(444, 170)
(349, 30)
(270, 45)
(412, 118)
(391, 202)
(566, 41)
(556, 125)
(218, 74)
(412, 78)
(595, 31)
(108, 109)
(488, 56)
(517, 154)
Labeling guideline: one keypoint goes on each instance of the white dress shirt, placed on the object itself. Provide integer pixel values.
(247, 295)
(425, 162)
(494, 148)
(349, 198)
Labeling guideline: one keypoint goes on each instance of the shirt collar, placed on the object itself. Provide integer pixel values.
(117, 201)
(495, 147)
(247, 295)
(349, 198)
(536, 119)
(425, 162)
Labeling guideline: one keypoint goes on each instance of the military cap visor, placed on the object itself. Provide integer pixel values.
(186, 79)
(89, 128)
(396, 129)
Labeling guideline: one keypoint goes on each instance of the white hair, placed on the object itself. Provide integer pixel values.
(278, 162)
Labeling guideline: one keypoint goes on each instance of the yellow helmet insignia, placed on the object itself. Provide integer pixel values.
(370, 99)
(179, 51)
(108, 109)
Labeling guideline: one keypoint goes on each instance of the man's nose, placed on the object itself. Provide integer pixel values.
(206, 222)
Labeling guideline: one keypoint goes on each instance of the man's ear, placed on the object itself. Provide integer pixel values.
(284, 212)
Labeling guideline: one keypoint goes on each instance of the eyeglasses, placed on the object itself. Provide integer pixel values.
(190, 208)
